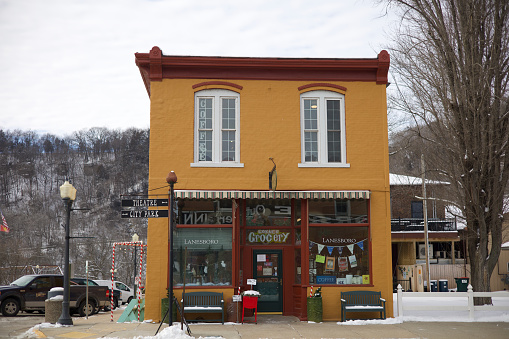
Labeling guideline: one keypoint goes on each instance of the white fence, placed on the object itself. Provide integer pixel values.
(469, 296)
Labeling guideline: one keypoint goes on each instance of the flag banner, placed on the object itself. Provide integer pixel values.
(4, 227)
(330, 249)
(320, 248)
(350, 248)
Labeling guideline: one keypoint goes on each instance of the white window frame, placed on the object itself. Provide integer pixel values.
(216, 95)
(322, 96)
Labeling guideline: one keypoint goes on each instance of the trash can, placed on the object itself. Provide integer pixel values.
(443, 285)
(434, 286)
(461, 284)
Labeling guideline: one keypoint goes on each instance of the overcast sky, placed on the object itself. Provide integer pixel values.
(67, 65)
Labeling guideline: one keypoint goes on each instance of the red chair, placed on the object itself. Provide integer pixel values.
(250, 302)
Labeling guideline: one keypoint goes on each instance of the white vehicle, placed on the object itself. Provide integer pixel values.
(126, 293)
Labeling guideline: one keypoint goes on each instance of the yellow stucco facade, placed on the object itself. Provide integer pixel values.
(270, 127)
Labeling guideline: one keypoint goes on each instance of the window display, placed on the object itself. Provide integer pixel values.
(339, 255)
(203, 256)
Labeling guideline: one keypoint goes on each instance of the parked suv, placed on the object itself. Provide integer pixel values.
(126, 293)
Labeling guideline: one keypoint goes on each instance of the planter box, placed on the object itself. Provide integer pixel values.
(164, 309)
(315, 310)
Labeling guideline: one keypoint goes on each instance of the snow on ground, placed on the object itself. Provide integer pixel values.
(439, 316)
(175, 332)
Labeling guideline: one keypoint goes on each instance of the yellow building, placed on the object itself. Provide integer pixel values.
(283, 177)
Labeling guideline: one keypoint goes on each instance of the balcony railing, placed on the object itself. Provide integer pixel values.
(417, 225)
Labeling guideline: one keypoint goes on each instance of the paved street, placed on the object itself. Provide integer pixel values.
(269, 326)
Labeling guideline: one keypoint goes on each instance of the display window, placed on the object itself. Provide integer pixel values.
(339, 255)
(271, 212)
(338, 211)
(203, 256)
(339, 252)
(204, 212)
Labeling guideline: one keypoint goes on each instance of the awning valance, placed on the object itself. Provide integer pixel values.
(202, 194)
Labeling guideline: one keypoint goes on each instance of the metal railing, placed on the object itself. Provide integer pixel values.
(417, 224)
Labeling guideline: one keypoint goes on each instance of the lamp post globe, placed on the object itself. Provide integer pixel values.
(68, 195)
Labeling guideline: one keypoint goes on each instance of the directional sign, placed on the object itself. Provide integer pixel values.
(144, 202)
(145, 214)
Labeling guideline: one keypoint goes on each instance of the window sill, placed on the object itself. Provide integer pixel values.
(316, 164)
(216, 164)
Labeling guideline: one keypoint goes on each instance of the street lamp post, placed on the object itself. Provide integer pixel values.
(68, 195)
(170, 179)
(135, 239)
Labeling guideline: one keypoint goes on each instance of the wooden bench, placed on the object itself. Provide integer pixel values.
(204, 302)
(362, 301)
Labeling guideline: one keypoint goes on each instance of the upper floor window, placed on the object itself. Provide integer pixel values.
(323, 138)
(217, 138)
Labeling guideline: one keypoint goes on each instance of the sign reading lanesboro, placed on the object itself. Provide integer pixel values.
(145, 214)
(144, 202)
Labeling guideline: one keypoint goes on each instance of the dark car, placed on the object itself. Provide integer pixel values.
(83, 281)
(30, 292)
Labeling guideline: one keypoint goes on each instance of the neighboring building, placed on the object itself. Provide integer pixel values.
(222, 124)
(447, 249)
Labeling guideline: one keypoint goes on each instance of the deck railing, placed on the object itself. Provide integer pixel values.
(417, 224)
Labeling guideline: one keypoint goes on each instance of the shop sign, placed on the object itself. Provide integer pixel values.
(268, 237)
(325, 279)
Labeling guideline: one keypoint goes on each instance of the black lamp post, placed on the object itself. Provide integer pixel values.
(68, 195)
(135, 239)
(170, 179)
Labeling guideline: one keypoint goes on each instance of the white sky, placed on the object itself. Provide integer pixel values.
(66, 65)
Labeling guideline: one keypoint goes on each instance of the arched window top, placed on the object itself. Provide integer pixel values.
(317, 85)
(221, 84)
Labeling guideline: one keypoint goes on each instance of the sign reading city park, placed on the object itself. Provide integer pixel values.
(144, 214)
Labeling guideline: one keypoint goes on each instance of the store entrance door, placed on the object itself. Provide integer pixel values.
(268, 272)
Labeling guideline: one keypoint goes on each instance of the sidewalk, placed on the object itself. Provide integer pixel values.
(269, 326)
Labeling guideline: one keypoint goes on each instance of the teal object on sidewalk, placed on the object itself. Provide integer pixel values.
(131, 312)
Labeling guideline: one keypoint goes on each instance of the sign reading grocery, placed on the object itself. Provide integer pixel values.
(268, 237)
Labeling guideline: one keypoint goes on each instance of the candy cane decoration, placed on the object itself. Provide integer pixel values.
(112, 278)
(139, 279)
(140, 244)
(311, 292)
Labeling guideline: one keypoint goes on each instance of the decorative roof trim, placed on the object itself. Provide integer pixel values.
(202, 194)
(155, 66)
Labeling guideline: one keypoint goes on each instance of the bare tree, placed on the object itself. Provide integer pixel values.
(451, 64)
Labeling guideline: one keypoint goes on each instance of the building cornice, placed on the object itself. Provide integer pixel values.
(154, 66)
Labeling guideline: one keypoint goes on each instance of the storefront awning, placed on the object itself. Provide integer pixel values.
(201, 194)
